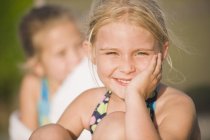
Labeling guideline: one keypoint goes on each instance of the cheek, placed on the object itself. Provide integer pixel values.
(74, 53)
(104, 66)
(143, 63)
(56, 67)
(57, 63)
(73, 59)
(102, 69)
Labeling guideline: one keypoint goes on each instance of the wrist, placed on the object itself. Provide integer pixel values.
(131, 95)
(133, 92)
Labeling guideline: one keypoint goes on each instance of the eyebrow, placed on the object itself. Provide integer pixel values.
(105, 49)
(143, 49)
(115, 49)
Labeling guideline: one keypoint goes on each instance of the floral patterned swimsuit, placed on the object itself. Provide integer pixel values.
(101, 109)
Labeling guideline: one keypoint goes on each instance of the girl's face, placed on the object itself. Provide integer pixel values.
(121, 52)
(60, 51)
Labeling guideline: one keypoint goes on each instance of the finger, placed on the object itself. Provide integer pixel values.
(156, 80)
(152, 64)
(159, 77)
(158, 67)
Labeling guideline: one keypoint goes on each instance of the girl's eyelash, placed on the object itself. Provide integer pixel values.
(109, 53)
(142, 53)
(138, 53)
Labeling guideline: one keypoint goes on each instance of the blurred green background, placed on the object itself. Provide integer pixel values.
(188, 19)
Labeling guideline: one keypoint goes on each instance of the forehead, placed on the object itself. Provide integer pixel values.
(55, 27)
(56, 34)
(124, 34)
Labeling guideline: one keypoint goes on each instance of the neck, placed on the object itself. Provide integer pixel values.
(53, 86)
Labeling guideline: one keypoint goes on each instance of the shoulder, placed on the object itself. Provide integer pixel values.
(173, 98)
(31, 79)
(30, 87)
(84, 105)
(92, 94)
(176, 114)
(89, 99)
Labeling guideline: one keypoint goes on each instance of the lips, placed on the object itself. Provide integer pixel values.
(122, 82)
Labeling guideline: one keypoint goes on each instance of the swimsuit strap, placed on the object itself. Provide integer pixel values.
(100, 111)
(44, 105)
(150, 102)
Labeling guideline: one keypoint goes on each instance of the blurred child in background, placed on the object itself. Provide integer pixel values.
(52, 43)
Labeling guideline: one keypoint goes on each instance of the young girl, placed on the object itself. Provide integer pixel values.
(53, 46)
(129, 42)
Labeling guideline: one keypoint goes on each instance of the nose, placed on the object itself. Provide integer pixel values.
(127, 65)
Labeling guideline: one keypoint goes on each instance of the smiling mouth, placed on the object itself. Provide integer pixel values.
(123, 82)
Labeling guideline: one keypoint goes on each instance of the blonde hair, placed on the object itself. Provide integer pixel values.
(143, 13)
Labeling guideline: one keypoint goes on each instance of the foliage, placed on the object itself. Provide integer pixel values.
(10, 54)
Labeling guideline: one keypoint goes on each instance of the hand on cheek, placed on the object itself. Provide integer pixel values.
(146, 81)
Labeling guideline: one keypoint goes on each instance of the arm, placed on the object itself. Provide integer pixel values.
(68, 127)
(179, 120)
(137, 118)
(29, 92)
(71, 120)
(178, 116)
(77, 116)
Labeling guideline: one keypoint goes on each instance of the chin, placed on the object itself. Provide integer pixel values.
(119, 92)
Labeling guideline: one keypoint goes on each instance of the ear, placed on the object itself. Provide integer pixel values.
(90, 51)
(35, 66)
(39, 70)
(165, 50)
